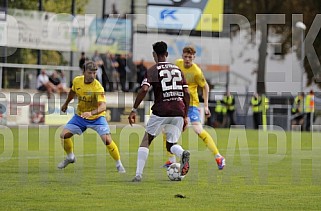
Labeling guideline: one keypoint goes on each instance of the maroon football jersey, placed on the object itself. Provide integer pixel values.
(168, 82)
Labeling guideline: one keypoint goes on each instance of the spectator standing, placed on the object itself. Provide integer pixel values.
(141, 71)
(131, 72)
(256, 108)
(220, 114)
(260, 105)
(109, 70)
(101, 73)
(297, 111)
(82, 60)
(115, 73)
(121, 59)
(229, 102)
(309, 109)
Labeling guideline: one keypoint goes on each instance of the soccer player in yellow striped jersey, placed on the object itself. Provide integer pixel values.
(91, 111)
(195, 78)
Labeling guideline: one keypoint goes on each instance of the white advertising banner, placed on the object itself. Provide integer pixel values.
(3, 33)
(64, 32)
(38, 30)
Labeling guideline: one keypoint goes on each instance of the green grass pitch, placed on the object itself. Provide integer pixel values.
(265, 170)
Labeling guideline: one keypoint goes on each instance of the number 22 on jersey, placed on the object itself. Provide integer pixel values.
(170, 79)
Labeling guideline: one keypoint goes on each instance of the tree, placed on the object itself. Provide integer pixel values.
(63, 6)
(56, 6)
(259, 12)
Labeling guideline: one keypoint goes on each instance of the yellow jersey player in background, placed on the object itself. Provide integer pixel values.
(195, 78)
(91, 112)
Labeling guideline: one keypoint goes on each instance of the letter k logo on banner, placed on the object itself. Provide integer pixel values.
(168, 13)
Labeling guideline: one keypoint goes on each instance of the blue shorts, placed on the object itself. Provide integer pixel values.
(77, 125)
(194, 114)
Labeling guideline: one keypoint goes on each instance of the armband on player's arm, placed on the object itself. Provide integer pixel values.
(134, 110)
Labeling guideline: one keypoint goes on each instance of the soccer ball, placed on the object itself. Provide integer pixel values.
(174, 172)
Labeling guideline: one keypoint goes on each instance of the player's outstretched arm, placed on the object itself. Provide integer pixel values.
(139, 98)
(206, 90)
(70, 97)
(100, 108)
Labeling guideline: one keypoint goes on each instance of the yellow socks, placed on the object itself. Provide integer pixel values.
(113, 151)
(207, 139)
(68, 145)
(164, 140)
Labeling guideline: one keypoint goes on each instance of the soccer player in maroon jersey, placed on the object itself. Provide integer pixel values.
(195, 79)
(169, 112)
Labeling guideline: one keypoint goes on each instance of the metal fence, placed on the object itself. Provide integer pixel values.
(279, 112)
(25, 75)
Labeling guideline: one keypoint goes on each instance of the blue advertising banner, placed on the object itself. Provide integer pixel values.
(91, 34)
(199, 15)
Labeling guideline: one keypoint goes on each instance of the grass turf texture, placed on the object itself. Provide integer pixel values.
(251, 180)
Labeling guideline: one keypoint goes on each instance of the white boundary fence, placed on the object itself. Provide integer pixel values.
(27, 67)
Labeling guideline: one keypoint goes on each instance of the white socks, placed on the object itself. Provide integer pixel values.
(177, 150)
(118, 163)
(172, 159)
(141, 160)
(71, 156)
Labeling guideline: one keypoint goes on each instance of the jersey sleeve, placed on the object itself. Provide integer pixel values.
(149, 77)
(101, 97)
(145, 81)
(200, 79)
(100, 94)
